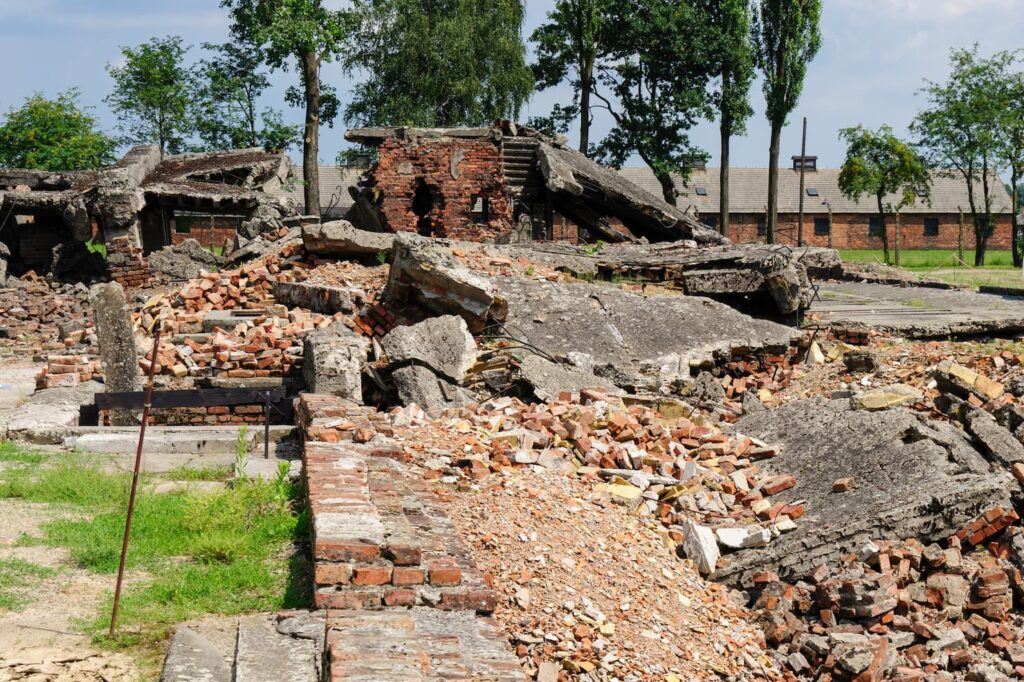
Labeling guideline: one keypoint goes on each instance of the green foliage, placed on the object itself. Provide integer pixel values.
(437, 63)
(382, 257)
(12, 452)
(153, 94)
(568, 47)
(53, 134)
(16, 577)
(960, 131)
(881, 165)
(656, 86)
(227, 115)
(786, 36)
(241, 452)
(66, 479)
(732, 55)
(96, 247)
(593, 249)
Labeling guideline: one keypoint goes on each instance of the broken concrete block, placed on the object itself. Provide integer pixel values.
(183, 261)
(333, 361)
(427, 273)
(739, 538)
(117, 344)
(443, 344)
(340, 239)
(884, 398)
(548, 379)
(417, 385)
(700, 546)
(705, 388)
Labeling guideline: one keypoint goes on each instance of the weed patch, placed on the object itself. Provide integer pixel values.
(16, 578)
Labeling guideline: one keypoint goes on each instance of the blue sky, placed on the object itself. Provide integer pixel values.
(874, 57)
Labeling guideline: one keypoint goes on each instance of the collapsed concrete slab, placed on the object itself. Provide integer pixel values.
(341, 239)
(318, 298)
(46, 417)
(637, 342)
(443, 344)
(918, 312)
(914, 478)
(333, 361)
(426, 273)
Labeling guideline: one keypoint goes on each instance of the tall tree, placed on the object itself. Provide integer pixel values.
(1012, 151)
(310, 33)
(437, 62)
(728, 24)
(153, 94)
(228, 116)
(567, 51)
(881, 165)
(786, 37)
(52, 135)
(657, 86)
(959, 133)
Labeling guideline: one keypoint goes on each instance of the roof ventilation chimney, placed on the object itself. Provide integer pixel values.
(808, 163)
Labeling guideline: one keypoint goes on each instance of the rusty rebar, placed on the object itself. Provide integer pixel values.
(135, 481)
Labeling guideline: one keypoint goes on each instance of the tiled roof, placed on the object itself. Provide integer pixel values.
(749, 192)
(334, 183)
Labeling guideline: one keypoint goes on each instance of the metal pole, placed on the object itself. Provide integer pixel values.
(266, 426)
(803, 169)
(135, 481)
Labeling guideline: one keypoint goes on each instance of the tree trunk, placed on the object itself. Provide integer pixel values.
(986, 228)
(723, 179)
(885, 231)
(668, 187)
(899, 238)
(1015, 246)
(773, 183)
(586, 84)
(311, 135)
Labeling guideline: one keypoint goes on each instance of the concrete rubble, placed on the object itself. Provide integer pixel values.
(542, 455)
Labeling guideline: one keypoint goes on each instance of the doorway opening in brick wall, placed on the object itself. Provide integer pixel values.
(423, 206)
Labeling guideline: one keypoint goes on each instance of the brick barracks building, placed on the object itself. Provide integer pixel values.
(933, 222)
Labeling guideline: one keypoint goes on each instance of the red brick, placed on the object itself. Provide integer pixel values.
(371, 575)
(332, 574)
(442, 574)
(333, 550)
(400, 598)
(406, 576)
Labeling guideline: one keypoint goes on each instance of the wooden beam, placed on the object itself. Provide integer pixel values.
(211, 397)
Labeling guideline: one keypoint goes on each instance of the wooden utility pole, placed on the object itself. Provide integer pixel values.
(828, 205)
(960, 237)
(803, 169)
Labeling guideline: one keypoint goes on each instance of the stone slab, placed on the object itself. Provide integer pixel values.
(263, 654)
(193, 658)
(918, 312)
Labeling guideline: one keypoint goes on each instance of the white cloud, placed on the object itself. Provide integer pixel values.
(931, 10)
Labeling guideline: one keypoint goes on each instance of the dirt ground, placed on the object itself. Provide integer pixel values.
(39, 641)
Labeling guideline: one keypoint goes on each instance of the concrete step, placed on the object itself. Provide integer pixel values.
(262, 654)
(195, 440)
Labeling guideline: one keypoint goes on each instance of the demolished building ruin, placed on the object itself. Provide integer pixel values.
(130, 207)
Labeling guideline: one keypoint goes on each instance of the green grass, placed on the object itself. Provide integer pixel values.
(97, 247)
(9, 452)
(184, 473)
(16, 578)
(927, 258)
(224, 552)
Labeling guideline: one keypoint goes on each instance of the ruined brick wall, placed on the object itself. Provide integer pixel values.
(126, 263)
(457, 174)
(850, 231)
(199, 228)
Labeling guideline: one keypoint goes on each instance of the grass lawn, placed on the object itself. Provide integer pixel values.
(193, 552)
(943, 265)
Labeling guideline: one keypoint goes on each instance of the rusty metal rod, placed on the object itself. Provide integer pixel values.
(135, 481)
